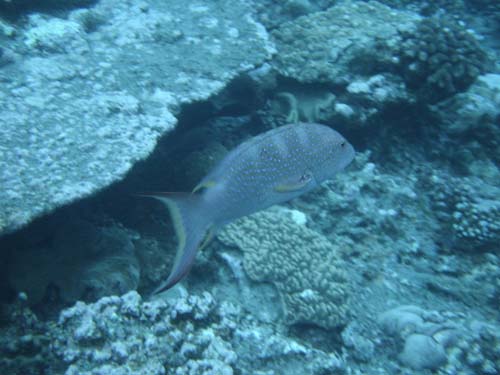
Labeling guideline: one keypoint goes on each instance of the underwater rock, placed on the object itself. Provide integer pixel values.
(24, 343)
(426, 335)
(362, 203)
(82, 262)
(73, 122)
(6, 57)
(361, 348)
(422, 352)
(477, 109)
(301, 263)
(403, 320)
(262, 348)
(367, 97)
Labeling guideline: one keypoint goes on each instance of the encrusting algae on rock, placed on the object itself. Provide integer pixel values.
(268, 169)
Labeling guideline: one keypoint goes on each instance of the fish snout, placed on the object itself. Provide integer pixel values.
(348, 153)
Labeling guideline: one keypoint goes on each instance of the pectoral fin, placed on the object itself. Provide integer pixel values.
(204, 185)
(295, 184)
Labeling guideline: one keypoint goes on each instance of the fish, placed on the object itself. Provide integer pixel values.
(270, 168)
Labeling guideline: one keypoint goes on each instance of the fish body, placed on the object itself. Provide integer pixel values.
(268, 169)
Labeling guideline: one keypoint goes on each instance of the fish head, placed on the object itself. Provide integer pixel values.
(336, 154)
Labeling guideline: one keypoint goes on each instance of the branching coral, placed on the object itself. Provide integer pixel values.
(471, 220)
(476, 224)
(440, 58)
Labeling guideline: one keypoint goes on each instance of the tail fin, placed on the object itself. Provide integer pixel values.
(190, 226)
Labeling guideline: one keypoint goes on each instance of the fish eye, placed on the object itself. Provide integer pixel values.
(342, 144)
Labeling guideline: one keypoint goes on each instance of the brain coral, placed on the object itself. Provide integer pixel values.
(440, 58)
(301, 263)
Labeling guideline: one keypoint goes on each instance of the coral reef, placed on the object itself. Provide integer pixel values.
(333, 45)
(181, 335)
(368, 97)
(272, 14)
(477, 109)
(476, 223)
(390, 268)
(472, 118)
(472, 219)
(456, 8)
(76, 121)
(55, 35)
(440, 58)
(301, 263)
(429, 7)
(339, 64)
(99, 338)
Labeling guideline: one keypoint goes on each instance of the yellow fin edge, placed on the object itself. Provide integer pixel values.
(206, 185)
(209, 235)
(179, 230)
(288, 188)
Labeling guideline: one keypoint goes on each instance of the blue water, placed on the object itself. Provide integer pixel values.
(390, 267)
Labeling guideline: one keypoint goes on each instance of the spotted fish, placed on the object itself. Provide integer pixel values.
(271, 168)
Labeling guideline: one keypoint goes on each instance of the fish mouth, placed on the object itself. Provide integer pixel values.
(350, 155)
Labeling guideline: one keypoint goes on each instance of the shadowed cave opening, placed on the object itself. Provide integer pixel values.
(205, 131)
